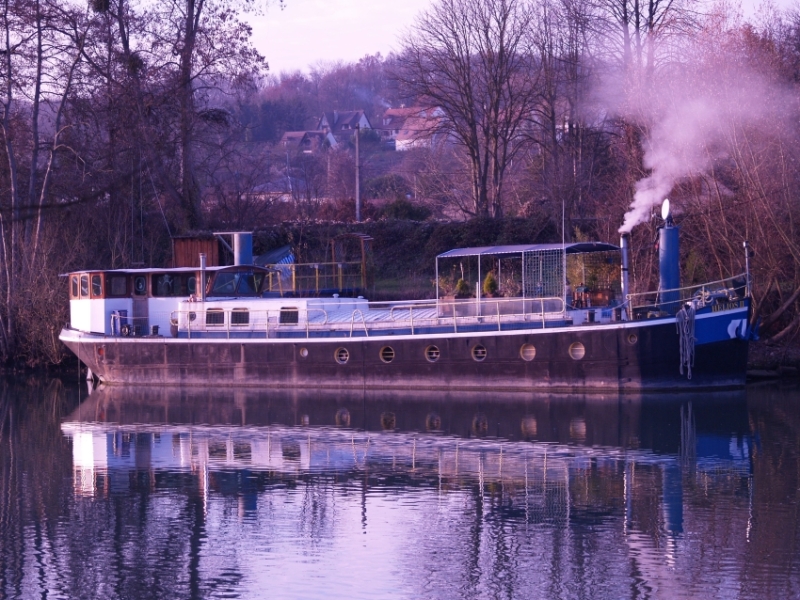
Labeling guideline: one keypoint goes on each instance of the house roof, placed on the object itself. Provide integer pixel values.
(338, 120)
(416, 128)
(395, 118)
(306, 141)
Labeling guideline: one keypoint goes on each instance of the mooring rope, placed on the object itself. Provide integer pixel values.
(684, 321)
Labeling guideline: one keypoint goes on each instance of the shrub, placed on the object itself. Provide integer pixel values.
(462, 289)
(490, 284)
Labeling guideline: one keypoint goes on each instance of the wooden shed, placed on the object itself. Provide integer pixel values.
(186, 251)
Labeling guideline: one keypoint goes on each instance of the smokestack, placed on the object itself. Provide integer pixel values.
(625, 242)
(669, 267)
(242, 248)
(202, 277)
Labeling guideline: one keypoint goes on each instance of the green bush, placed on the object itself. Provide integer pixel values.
(462, 289)
(490, 286)
(404, 210)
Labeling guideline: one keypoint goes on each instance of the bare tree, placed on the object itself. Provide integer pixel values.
(471, 58)
(41, 49)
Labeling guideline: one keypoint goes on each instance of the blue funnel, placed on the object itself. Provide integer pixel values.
(669, 268)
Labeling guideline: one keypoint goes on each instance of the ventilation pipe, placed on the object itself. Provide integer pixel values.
(202, 277)
(625, 243)
(669, 266)
(242, 248)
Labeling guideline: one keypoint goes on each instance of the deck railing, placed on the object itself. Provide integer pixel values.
(670, 301)
(372, 318)
(313, 278)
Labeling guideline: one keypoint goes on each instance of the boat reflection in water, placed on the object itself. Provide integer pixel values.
(571, 467)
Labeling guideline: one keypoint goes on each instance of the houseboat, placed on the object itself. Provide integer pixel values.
(562, 320)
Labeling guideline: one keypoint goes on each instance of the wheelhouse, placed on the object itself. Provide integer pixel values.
(129, 301)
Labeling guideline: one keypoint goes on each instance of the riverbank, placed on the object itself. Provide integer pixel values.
(772, 361)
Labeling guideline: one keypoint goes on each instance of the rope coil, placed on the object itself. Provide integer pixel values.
(684, 321)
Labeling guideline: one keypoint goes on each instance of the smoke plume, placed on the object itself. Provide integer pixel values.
(691, 120)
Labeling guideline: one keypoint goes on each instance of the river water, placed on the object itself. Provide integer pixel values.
(226, 493)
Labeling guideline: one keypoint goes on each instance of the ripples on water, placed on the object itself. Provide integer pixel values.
(154, 493)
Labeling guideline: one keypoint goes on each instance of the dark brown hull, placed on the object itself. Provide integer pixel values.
(618, 357)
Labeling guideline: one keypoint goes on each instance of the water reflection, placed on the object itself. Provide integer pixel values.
(203, 493)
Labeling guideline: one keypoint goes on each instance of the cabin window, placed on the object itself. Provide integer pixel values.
(162, 285)
(73, 288)
(247, 284)
(166, 285)
(225, 284)
(84, 286)
(117, 285)
(240, 316)
(289, 316)
(215, 316)
(237, 283)
(97, 286)
(140, 285)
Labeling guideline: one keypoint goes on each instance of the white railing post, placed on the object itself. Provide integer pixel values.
(541, 305)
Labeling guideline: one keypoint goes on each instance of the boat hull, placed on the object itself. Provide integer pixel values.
(635, 355)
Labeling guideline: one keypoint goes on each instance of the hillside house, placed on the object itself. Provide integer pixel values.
(342, 124)
(307, 142)
(421, 127)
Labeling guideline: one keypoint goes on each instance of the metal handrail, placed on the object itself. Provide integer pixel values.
(353, 319)
(693, 288)
(390, 316)
(175, 318)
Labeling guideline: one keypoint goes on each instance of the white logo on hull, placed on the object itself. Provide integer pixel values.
(737, 327)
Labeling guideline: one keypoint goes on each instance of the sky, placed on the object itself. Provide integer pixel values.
(306, 32)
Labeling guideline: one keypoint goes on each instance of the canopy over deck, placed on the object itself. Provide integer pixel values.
(542, 270)
(573, 248)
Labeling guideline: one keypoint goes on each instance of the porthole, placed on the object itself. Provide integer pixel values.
(480, 424)
(342, 355)
(527, 352)
(577, 429)
(432, 353)
(388, 421)
(479, 352)
(342, 418)
(433, 422)
(387, 354)
(529, 427)
(139, 285)
(303, 352)
(577, 351)
(632, 338)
